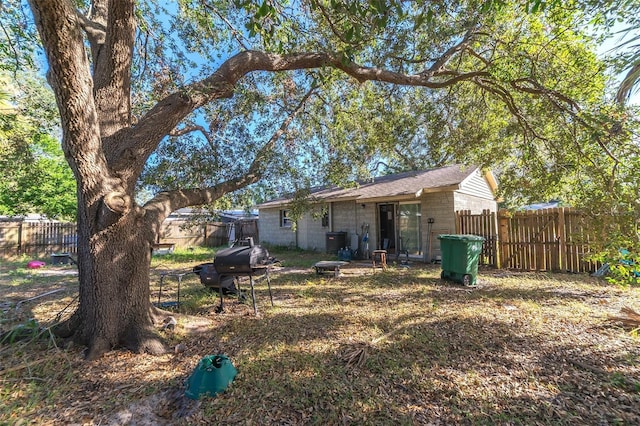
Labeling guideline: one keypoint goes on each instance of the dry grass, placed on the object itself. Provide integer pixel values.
(396, 347)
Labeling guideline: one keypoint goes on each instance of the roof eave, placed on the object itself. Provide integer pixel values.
(390, 198)
(447, 188)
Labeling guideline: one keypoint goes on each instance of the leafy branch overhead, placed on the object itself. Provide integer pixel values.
(515, 57)
(505, 51)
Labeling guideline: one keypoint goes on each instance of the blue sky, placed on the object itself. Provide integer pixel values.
(609, 47)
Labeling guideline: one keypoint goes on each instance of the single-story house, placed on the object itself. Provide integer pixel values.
(402, 213)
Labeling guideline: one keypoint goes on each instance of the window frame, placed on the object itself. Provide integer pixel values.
(285, 220)
(324, 220)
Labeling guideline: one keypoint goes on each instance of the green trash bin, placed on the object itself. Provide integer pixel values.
(460, 256)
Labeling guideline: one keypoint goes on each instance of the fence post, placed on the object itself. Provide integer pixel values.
(19, 239)
(562, 240)
(496, 239)
(503, 237)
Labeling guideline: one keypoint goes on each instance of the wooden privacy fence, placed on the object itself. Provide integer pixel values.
(484, 225)
(37, 239)
(535, 240)
(215, 234)
(40, 239)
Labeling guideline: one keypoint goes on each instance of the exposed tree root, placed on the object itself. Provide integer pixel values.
(98, 347)
(158, 316)
(68, 327)
(138, 338)
(153, 345)
(143, 339)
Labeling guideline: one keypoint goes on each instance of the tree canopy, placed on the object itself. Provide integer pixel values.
(509, 67)
(520, 76)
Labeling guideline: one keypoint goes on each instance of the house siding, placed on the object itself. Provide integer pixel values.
(442, 207)
(439, 206)
(367, 216)
(473, 203)
(350, 217)
(344, 218)
(311, 233)
(477, 186)
(270, 231)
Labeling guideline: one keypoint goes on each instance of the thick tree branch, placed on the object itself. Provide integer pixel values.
(170, 111)
(161, 206)
(70, 78)
(96, 31)
(112, 67)
(165, 203)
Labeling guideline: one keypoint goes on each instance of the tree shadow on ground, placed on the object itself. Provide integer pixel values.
(456, 370)
(432, 356)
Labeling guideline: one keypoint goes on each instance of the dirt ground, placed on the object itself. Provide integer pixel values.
(368, 347)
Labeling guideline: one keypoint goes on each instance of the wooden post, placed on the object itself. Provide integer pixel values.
(562, 240)
(495, 242)
(19, 238)
(503, 238)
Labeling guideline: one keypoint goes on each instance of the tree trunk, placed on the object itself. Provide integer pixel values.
(115, 308)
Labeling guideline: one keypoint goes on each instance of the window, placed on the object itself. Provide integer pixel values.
(285, 220)
(325, 220)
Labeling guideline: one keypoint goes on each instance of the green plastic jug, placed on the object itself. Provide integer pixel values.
(211, 376)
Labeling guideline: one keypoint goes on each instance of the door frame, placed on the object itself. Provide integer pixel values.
(383, 208)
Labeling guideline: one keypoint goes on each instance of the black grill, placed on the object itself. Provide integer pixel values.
(242, 260)
(210, 278)
(245, 260)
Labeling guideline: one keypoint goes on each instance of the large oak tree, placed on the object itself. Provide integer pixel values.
(125, 80)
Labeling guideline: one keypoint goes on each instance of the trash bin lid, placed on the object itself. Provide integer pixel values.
(460, 237)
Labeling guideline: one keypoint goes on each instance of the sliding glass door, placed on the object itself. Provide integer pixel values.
(410, 228)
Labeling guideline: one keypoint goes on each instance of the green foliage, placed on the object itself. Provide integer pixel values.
(34, 175)
(18, 40)
(516, 120)
(30, 330)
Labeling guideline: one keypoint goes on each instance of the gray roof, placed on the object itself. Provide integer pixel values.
(405, 185)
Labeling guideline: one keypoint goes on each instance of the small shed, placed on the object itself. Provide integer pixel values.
(402, 213)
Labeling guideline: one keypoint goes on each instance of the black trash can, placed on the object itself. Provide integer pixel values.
(336, 241)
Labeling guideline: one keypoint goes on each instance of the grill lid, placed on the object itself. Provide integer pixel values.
(243, 259)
